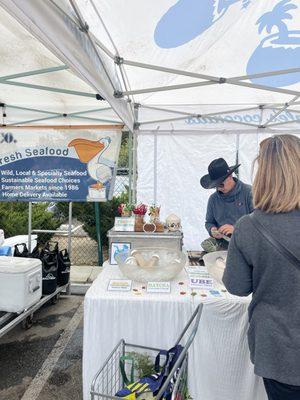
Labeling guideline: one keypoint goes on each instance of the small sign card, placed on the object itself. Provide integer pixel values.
(124, 224)
(197, 270)
(192, 269)
(159, 287)
(119, 285)
(199, 282)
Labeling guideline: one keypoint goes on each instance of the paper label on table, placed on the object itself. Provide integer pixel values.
(199, 282)
(215, 293)
(119, 285)
(196, 269)
(158, 287)
(192, 269)
(124, 224)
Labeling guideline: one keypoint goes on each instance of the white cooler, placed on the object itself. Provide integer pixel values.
(20, 283)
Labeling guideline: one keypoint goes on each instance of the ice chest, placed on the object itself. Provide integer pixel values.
(20, 283)
(170, 240)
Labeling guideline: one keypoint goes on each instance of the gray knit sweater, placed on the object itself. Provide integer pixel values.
(254, 266)
(228, 208)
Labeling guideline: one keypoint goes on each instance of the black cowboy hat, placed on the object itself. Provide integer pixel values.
(218, 171)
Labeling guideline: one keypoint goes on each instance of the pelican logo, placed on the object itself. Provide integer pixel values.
(99, 168)
(7, 137)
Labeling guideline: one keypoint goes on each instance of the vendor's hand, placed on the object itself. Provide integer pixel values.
(215, 233)
(226, 229)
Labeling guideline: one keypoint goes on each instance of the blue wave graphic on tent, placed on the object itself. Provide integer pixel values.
(277, 51)
(188, 19)
(280, 50)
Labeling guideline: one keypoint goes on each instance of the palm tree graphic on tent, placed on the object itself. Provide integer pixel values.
(279, 50)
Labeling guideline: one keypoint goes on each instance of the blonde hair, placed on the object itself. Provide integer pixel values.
(276, 186)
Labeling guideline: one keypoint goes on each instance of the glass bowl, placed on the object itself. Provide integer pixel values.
(166, 264)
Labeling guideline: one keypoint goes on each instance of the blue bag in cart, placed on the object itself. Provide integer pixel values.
(146, 388)
(147, 373)
(5, 251)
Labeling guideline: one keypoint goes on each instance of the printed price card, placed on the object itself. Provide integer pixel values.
(119, 285)
(199, 282)
(124, 224)
(158, 287)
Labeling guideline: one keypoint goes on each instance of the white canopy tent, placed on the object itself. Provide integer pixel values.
(194, 79)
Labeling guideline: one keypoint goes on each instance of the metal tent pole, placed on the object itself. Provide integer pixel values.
(134, 154)
(29, 225)
(237, 154)
(98, 233)
(70, 230)
(155, 169)
(130, 165)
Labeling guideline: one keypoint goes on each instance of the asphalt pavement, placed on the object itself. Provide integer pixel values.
(44, 362)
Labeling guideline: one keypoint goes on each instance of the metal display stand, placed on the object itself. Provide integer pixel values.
(170, 240)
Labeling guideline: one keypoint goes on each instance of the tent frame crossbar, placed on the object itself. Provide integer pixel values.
(69, 127)
(213, 79)
(165, 88)
(30, 109)
(280, 111)
(230, 81)
(283, 123)
(53, 115)
(33, 120)
(35, 72)
(48, 88)
(197, 114)
(208, 116)
(124, 77)
(208, 77)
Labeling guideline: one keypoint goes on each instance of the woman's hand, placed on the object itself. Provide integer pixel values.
(226, 229)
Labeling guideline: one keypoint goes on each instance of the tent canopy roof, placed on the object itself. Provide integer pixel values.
(186, 64)
(38, 88)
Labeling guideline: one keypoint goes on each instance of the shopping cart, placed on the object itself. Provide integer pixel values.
(109, 379)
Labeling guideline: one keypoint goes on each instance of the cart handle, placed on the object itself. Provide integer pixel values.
(196, 316)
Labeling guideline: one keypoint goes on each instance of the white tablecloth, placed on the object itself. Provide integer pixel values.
(219, 363)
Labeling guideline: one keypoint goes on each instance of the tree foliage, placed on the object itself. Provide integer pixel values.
(14, 218)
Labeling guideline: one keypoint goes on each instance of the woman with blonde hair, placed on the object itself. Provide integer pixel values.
(264, 259)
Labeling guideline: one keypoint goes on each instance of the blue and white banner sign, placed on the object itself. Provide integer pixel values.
(58, 165)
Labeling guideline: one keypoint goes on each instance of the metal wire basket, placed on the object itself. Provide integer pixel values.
(108, 380)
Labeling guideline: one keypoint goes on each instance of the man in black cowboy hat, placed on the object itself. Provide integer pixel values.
(230, 202)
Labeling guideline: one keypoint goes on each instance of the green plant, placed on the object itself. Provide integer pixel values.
(14, 218)
(123, 156)
(143, 364)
